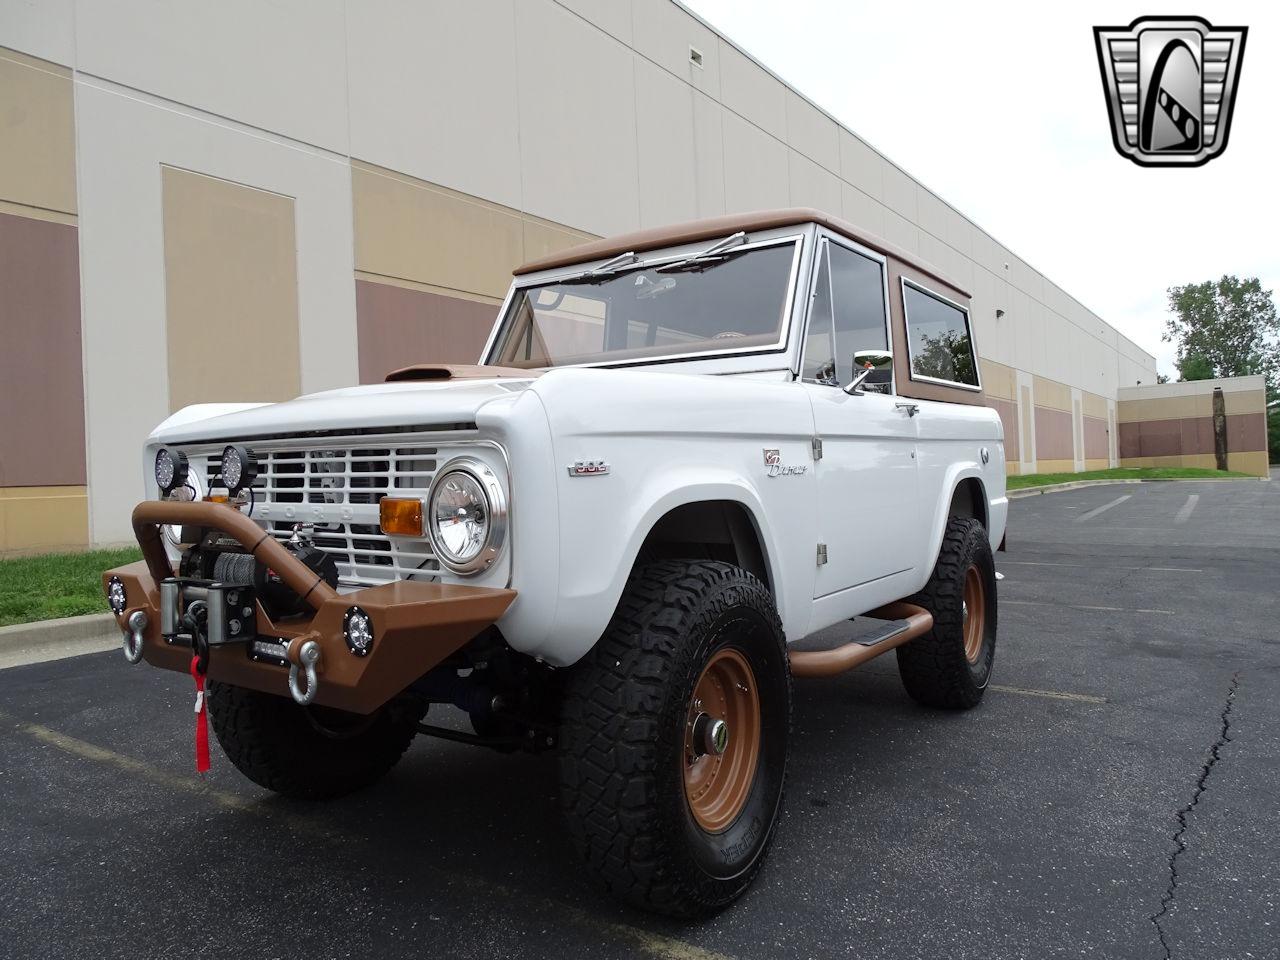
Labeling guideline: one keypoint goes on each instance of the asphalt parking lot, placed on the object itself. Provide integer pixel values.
(1116, 795)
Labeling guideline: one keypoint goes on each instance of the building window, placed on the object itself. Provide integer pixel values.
(939, 339)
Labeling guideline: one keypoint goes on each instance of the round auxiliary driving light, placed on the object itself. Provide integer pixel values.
(171, 469)
(357, 629)
(467, 516)
(117, 599)
(239, 468)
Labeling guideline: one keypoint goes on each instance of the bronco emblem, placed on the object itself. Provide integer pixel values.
(1170, 84)
(776, 468)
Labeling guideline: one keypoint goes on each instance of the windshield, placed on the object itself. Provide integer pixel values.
(732, 301)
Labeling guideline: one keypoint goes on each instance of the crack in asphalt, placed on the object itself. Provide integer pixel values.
(1180, 845)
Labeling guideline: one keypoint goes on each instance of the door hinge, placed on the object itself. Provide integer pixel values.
(822, 554)
(817, 448)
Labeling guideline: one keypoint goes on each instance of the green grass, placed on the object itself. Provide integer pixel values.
(1122, 473)
(57, 584)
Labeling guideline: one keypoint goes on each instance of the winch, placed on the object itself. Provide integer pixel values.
(214, 599)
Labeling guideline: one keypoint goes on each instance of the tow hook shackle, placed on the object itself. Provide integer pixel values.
(132, 632)
(308, 657)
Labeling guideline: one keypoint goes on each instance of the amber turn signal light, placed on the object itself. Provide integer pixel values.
(400, 517)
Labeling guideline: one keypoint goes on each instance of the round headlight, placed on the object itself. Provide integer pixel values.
(239, 468)
(467, 516)
(357, 629)
(116, 596)
(171, 469)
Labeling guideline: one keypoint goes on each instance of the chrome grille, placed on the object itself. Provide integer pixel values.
(336, 489)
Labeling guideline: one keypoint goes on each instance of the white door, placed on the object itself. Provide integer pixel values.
(867, 477)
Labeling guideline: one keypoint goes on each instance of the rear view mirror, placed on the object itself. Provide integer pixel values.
(865, 363)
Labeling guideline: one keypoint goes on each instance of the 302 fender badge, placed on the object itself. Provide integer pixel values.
(588, 468)
(776, 468)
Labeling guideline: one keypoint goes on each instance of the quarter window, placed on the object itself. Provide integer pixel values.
(938, 338)
(848, 315)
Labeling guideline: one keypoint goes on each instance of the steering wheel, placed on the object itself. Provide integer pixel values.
(728, 335)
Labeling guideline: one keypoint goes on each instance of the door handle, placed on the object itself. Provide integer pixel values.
(911, 408)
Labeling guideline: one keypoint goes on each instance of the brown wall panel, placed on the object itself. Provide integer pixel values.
(1095, 439)
(1053, 435)
(1009, 417)
(41, 382)
(397, 326)
(231, 291)
(1191, 436)
(1246, 432)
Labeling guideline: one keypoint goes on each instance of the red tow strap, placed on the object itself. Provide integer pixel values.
(202, 719)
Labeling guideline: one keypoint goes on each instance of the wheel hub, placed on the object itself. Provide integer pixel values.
(722, 740)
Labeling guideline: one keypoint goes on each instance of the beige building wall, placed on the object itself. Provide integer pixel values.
(1171, 425)
(417, 172)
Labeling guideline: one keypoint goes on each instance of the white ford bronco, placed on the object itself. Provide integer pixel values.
(684, 451)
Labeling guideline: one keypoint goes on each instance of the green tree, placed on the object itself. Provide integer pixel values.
(1224, 328)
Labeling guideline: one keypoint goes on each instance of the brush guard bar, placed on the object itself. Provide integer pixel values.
(416, 625)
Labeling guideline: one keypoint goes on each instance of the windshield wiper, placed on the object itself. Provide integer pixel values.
(715, 253)
(606, 269)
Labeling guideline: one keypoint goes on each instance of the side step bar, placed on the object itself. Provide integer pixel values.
(906, 622)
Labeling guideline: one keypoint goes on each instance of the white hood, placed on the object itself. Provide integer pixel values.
(432, 404)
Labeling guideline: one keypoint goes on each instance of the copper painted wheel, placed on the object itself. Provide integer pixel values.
(717, 784)
(975, 613)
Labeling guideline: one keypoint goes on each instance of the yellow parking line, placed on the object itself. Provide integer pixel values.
(654, 944)
(1050, 694)
(1079, 606)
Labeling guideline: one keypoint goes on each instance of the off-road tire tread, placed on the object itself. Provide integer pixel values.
(271, 742)
(616, 708)
(933, 667)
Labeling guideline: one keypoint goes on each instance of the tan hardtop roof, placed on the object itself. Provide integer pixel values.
(715, 227)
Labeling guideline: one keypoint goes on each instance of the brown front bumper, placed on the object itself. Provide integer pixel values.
(416, 625)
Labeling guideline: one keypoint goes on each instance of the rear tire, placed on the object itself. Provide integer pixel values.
(309, 753)
(670, 817)
(950, 666)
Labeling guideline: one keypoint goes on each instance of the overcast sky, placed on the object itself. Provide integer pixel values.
(998, 108)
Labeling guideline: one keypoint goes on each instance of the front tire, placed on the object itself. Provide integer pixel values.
(950, 666)
(309, 753)
(674, 738)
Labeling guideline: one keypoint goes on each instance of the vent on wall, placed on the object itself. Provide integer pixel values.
(695, 56)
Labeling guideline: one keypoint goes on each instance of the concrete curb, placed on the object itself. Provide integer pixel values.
(1076, 484)
(54, 639)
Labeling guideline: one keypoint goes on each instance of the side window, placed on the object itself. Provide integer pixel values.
(938, 338)
(857, 290)
(819, 344)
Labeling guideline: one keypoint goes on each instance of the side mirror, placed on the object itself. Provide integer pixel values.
(867, 362)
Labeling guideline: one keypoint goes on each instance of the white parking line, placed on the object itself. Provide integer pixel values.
(1049, 694)
(1079, 606)
(1187, 507)
(1096, 566)
(1106, 506)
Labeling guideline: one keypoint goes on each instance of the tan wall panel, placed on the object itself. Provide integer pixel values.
(41, 377)
(1050, 393)
(998, 380)
(1094, 405)
(1254, 463)
(1012, 468)
(413, 230)
(37, 133)
(1055, 466)
(36, 519)
(1100, 464)
(231, 288)
(398, 326)
(1245, 401)
(542, 239)
(1165, 408)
